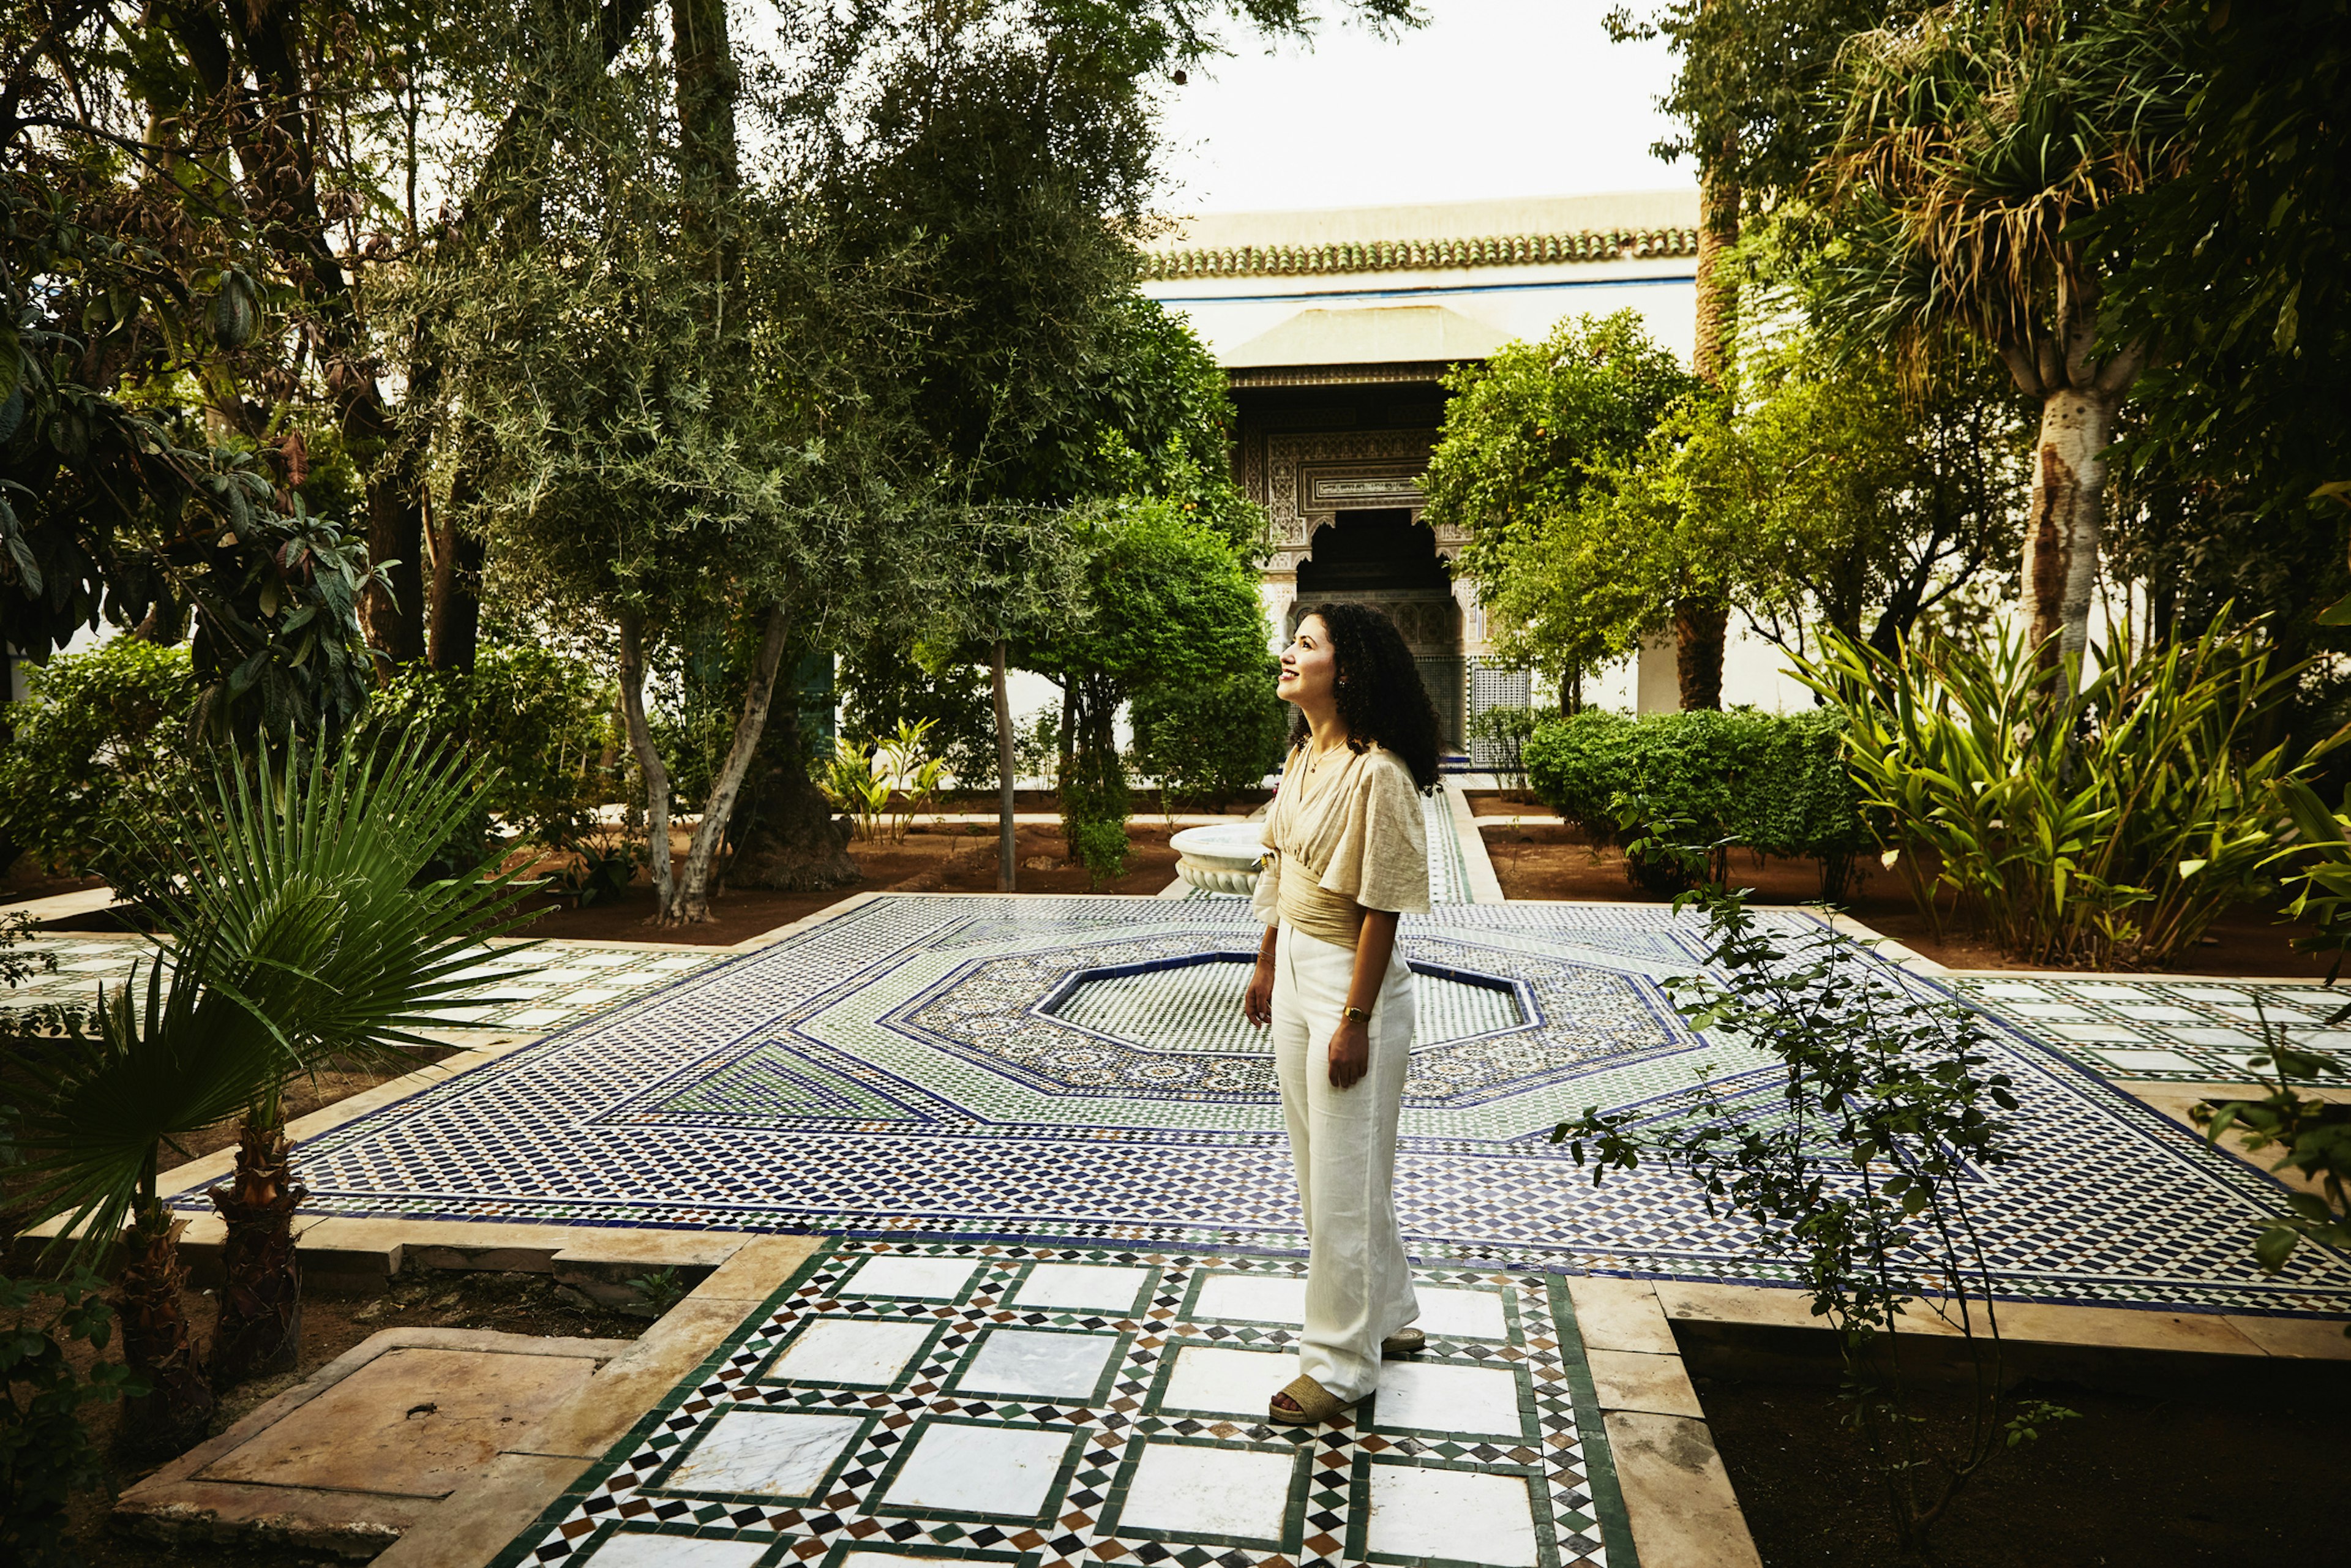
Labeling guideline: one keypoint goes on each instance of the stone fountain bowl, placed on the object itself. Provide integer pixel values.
(1222, 858)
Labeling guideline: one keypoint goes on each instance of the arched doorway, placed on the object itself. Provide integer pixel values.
(1386, 559)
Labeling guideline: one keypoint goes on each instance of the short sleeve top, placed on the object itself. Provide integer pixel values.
(1346, 834)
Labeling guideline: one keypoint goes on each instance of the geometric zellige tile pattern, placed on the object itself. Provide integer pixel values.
(1048, 1407)
(800, 1088)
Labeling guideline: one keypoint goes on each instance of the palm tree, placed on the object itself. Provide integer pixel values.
(1973, 141)
(294, 934)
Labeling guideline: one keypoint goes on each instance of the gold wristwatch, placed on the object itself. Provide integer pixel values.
(1355, 1015)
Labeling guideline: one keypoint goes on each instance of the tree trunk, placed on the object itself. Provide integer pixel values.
(648, 755)
(156, 1344)
(792, 843)
(1718, 291)
(2062, 524)
(690, 899)
(456, 626)
(1570, 693)
(1007, 859)
(1700, 626)
(259, 1329)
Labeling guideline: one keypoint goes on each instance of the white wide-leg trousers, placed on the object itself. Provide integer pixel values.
(1358, 1285)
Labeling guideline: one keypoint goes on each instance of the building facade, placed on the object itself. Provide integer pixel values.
(1336, 328)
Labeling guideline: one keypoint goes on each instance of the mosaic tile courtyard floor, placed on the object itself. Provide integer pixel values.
(998, 1070)
(898, 1402)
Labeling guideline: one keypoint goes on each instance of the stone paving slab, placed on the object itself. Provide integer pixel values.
(365, 1447)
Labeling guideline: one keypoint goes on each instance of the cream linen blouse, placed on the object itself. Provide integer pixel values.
(1344, 837)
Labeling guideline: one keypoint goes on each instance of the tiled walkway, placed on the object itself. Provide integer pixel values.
(548, 986)
(936, 1066)
(1038, 1407)
(2176, 1029)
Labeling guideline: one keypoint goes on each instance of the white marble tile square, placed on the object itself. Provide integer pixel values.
(851, 1351)
(2150, 1062)
(464, 1014)
(1080, 1287)
(1461, 1314)
(637, 1550)
(2017, 990)
(1228, 1382)
(2109, 993)
(2159, 1012)
(2207, 993)
(1038, 1363)
(630, 978)
(782, 1454)
(1183, 1490)
(2213, 1037)
(1431, 1396)
(895, 1559)
(1252, 1298)
(680, 962)
(2268, 1014)
(2093, 1033)
(589, 997)
(557, 977)
(531, 1017)
(598, 960)
(922, 1278)
(1004, 1470)
(1456, 1514)
(2048, 1010)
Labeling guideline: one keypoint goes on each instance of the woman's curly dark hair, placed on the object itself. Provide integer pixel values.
(1380, 695)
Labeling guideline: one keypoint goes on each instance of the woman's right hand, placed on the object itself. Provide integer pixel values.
(1257, 1002)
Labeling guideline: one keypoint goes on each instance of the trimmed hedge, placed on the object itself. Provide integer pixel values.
(1774, 783)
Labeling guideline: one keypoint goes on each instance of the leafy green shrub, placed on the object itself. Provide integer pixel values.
(886, 685)
(1209, 741)
(1095, 805)
(99, 756)
(1851, 1163)
(541, 722)
(1774, 783)
(46, 1454)
(2103, 815)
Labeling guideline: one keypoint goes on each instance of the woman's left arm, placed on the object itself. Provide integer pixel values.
(1350, 1043)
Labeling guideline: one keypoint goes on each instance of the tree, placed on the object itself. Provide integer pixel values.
(1528, 436)
(1972, 142)
(1168, 604)
(2234, 266)
(1860, 501)
(298, 934)
(152, 457)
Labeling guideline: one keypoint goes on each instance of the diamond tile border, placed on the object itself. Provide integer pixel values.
(1576, 1506)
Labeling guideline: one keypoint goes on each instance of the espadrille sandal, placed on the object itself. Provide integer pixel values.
(1315, 1404)
(1403, 1342)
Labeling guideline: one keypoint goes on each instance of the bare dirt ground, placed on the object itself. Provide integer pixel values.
(946, 858)
(1555, 861)
(2138, 1481)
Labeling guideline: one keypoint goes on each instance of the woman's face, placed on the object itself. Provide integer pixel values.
(1310, 670)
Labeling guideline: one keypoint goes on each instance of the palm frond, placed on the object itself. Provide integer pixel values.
(295, 931)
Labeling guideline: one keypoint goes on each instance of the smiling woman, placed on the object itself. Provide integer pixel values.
(1347, 852)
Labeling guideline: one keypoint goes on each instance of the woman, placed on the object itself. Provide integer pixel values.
(1348, 852)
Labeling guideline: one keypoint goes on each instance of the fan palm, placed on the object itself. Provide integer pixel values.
(1973, 141)
(294, 934)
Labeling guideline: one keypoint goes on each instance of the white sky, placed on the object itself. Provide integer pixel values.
(1492, 99)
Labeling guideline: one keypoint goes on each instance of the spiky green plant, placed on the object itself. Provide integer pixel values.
(294, 934)
(2103, 811)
